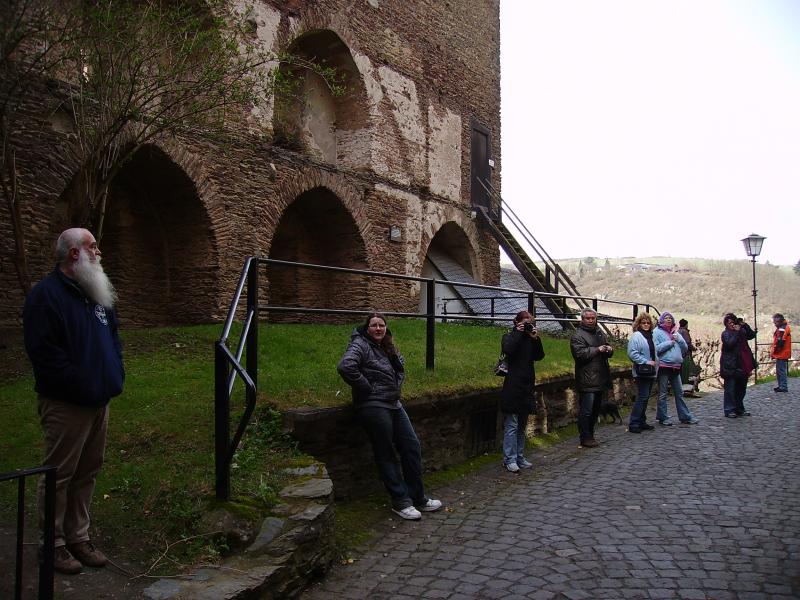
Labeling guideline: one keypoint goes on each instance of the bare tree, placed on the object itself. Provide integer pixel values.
(148, 69)
(31, 32)
(134, 71)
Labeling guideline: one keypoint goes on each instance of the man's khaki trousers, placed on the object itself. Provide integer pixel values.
(75, 442)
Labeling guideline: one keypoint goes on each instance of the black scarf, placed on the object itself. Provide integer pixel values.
(648, 335)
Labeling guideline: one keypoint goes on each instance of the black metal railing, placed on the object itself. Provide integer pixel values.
(228, 365)
(589, 301)
(49, 533)
(551, 268)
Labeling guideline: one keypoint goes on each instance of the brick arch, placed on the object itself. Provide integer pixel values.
(161, 241)
(460, 221)
(321, 221)
(331, 128)
(352, 198)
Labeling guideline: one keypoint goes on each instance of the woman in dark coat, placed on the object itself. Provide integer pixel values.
(375, 371)
(522, 346)
(736, 364)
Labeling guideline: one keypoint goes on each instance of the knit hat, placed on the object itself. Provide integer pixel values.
(663, 316)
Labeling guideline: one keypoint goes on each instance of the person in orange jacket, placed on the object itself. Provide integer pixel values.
(781, 351)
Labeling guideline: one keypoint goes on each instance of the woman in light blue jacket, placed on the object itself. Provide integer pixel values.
(670, 347)
(642, 353)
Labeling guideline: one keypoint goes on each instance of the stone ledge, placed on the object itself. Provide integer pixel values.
(284, 553)
(452, 428)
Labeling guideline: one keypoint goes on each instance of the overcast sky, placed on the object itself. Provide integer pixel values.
(653, 128)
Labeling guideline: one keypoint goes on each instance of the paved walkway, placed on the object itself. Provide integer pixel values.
(707, 512)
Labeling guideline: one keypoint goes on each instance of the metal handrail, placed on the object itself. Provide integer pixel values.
(228, 365)
(503, 208)
(46, 571)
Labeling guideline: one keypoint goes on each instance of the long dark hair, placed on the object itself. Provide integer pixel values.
(387, 343)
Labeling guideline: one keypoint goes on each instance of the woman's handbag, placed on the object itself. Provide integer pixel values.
(501, 368)
(644, 370)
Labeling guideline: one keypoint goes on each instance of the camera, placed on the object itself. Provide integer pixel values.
(529, 327)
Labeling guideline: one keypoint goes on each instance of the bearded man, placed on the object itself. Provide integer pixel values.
(72, 341)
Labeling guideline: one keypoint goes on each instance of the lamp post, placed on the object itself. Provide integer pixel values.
(752, 245)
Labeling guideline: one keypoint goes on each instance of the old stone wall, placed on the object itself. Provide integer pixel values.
(450, 429)
(392, 151)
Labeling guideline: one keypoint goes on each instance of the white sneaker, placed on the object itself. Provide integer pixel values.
(409, 513)
(512, 467)
(431, 505)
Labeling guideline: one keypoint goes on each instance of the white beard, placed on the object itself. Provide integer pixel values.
(93, 280)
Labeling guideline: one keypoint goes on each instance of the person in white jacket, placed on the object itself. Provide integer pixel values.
(670, 348)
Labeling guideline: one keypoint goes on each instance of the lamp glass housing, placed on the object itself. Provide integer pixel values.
(752, 244)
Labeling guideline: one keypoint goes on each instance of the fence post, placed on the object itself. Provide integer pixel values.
(49, 538)
(430, 320)
(222, 425)
(594, 304)
(531, 302)
(20, 537)
(635, 311)
(252, 335)
(491, 300)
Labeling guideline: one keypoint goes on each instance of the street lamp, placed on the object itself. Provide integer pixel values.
(752, 245)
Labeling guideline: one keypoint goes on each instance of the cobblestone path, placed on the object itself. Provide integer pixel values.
(708, 512)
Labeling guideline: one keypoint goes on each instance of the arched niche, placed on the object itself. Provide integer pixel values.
(158, 245)
(450, 256)
(317, 229)
(309, 116)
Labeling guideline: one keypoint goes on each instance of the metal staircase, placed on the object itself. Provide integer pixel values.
(554, 280)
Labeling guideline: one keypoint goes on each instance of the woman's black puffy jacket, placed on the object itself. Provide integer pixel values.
(373, 375)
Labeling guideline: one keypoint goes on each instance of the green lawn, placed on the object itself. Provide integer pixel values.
(159, 467)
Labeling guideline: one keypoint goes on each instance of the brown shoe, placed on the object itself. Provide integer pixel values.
(65, 563)
(88, 554)
(590, 443)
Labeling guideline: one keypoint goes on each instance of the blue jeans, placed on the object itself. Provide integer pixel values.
(389, 430)
(782, 373)
(587, 413)
(733, 396)
(514, 437)
(644, 386)
(671, 377)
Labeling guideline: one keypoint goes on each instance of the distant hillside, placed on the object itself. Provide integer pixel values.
(700, 288)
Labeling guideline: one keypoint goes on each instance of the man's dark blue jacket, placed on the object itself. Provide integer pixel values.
(73, 343)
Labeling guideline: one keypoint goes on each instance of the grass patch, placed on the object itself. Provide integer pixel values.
(298, 367)
(548, 440)
(158, 475)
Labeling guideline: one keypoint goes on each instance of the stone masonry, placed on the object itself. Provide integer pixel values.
(451, 429)
(320, 180)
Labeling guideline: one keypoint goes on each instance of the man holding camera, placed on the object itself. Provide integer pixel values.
(592, 373)
(736, 364)
(781, 351)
